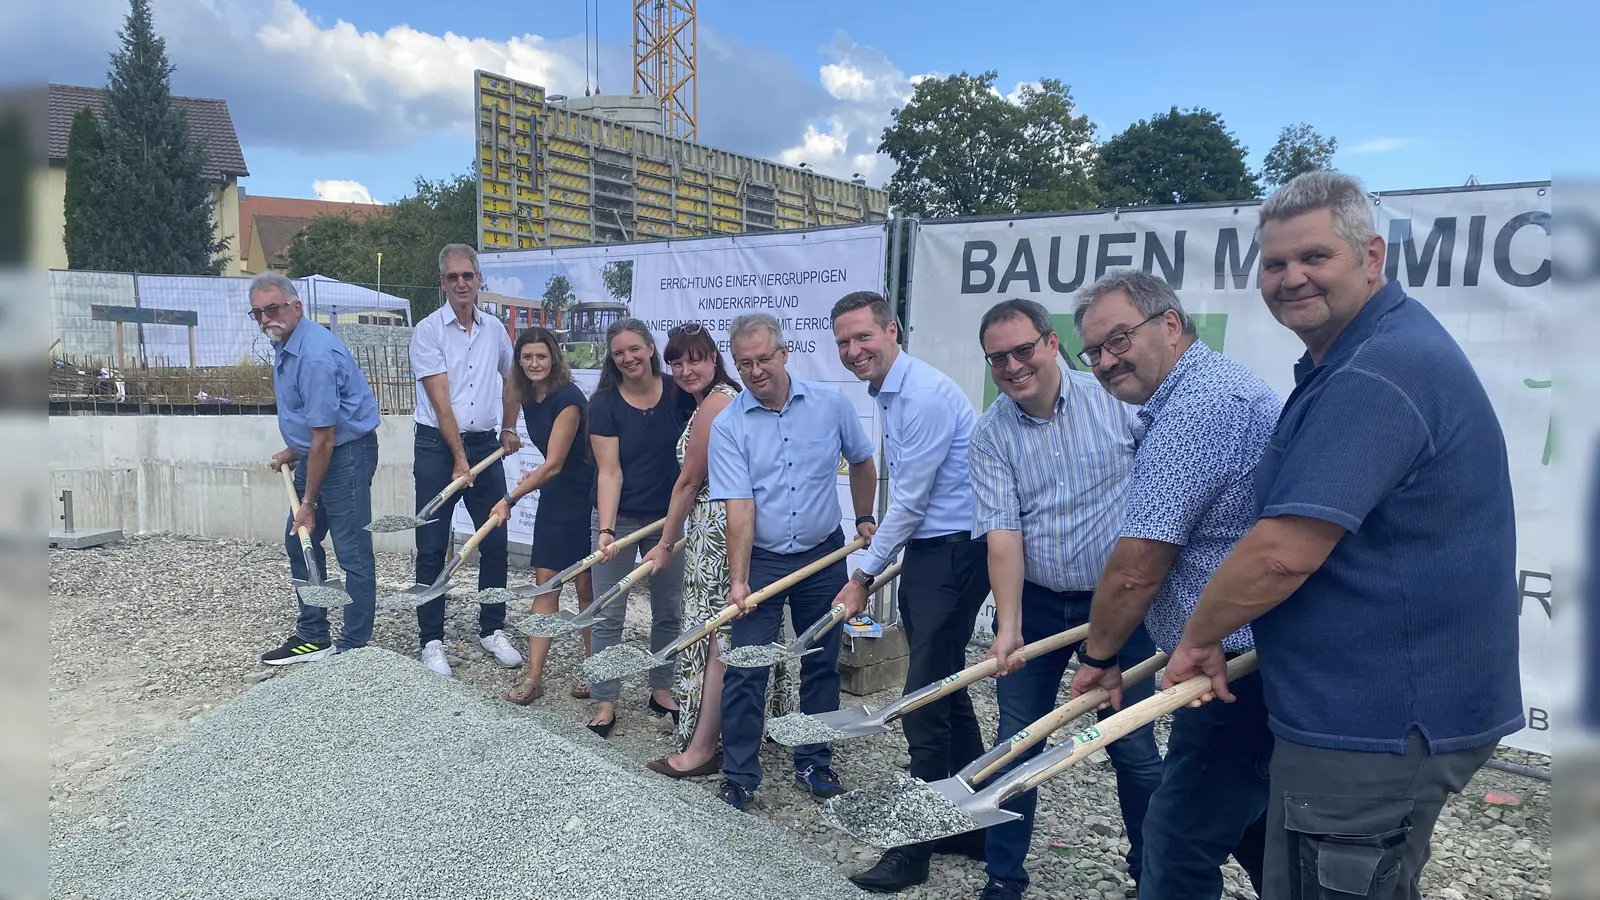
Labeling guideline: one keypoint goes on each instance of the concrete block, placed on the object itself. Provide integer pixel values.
(864, 651)
(84, 539)
(868, 665)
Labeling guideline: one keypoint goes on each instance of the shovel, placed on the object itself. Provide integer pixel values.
(862, 721)
(916, 812)
(562, 622)
(622, 660)
(386, 524)
(313, 591)
(418, 594)
(762, 655)
(572, 571)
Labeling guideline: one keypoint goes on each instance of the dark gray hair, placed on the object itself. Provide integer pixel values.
(449, 250)
(274, 281)
(1011, 309)
(1152, 296)
(753, 322)
(1340, 194)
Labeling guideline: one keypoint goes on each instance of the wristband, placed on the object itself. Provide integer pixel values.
(870, 520)
(608, 531)
(510, 500)
(1085, 659)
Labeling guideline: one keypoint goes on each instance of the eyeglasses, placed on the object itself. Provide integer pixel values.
(270, 312)
(1117, 344)
(685, 328)
(453, 277)
(1020, 354)
(760, 362)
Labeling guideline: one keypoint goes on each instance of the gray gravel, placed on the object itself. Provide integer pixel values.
(797, 729)
(154, 633)
(546, 624)
(496, 595)
(386, 524)
(344, 778)
(326, 597)
(616, 661)
(899, 812)
(756, 656)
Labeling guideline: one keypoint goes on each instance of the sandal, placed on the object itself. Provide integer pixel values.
(526, 692)
(581, 690)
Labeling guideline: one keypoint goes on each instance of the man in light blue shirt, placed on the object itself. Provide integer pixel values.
(329, 421)
(1050, 464)
(927, 432)
(773, 458)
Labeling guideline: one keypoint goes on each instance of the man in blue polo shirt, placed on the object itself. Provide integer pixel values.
(329, 420)
(1380, 579)
(773, 458)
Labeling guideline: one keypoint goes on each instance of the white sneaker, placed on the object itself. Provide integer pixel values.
(500, 645)
(433, 658)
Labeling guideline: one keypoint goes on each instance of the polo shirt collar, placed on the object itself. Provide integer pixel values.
(1191, 359)
(1360, 328)
(895, 378)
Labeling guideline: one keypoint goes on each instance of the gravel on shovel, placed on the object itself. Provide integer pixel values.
(365, 775)
(616, 661)
(326, 597)
(755, 656)
(798, 729)
(904, 811)
(386, 524)
(496, 595)
(545, 625)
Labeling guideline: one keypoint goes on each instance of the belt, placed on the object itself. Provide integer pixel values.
(955, 537)
(465, 435)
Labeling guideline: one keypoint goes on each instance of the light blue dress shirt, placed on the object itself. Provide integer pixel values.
(1061, 481)
(787, 461)
(316, 384)
(927, 435)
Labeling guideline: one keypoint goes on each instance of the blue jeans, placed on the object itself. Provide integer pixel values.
(345, 509)
(1030, 692)
(1212, 802)
(744, 691)
(433, 471)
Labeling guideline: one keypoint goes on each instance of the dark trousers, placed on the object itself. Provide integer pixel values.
(1212, 802)
(942, 587)
(1031, 691)
(1343, 824)
(344, 509)
(744, 691)
(433, 472)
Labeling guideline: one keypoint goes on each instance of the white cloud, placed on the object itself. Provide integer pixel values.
(865, 87)
(505, 285)
(1378, 145)
(342, 191)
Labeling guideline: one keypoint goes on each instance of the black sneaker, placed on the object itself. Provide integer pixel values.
(818, 781)
(295, 650)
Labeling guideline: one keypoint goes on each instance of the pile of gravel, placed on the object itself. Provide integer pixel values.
(320, 595)
(798, 729)
(616, 661)
(364, 775)
(902, 811)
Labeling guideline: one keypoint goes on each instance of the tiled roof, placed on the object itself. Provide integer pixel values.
(276, 234)
(253, 206)
(209, 121)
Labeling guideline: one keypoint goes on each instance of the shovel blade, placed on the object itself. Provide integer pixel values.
(855, 722)
(391, 524)
(327, 594)
(980, 806)
(549, 625)
(416, 595)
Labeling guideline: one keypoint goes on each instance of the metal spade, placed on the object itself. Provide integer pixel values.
(386, 524)
(314, 591)
(562, 622)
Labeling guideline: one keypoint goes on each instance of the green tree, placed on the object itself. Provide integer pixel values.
(17, 142)
(1174, 157)
(1299, 150)
(409, 234)
(157, 205)
(618, 279)
(962, 149)
(85, 239)
(559, 296)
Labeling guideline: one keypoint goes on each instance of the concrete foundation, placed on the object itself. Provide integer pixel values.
(868, 665)
(81, 539)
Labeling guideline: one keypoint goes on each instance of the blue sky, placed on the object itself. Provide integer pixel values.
(363, 96)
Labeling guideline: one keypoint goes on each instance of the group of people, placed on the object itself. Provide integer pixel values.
(1358, 536)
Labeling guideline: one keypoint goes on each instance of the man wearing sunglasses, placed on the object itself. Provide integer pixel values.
(329, 422)
(461, 357)
(1207, 420)
(1050, 464)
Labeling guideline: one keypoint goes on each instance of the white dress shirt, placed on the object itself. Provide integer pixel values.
(477, 364)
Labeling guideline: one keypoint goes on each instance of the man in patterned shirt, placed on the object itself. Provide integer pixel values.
(1207, 422)
(1050, 461)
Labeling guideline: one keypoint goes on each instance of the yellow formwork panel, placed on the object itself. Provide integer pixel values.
(529, 195)
(498, 223)
(570, 180)
(563, 195)
(662, 229)
(693, 220)
(654, 212)
(727, 212)
(522, 143)
(570, 148)
(690, 176)
(725, 198)
(652, 183)
(559, 228)
(496, 189)
(574, 166)
(496, 239)
(693, 206)
(557, 241)
(655, 198)
(693, 192)
(567, 213)
(728, 227)
(530, 227)
(655, 168)
(722, 182)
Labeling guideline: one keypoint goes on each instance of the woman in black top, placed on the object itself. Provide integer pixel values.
(553, 411)
(635, 418)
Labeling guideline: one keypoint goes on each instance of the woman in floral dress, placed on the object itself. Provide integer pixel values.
(697, 368)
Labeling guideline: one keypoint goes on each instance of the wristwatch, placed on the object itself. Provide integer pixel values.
(1085, 659)
(871, 520)
(863, 578)
(510, 500)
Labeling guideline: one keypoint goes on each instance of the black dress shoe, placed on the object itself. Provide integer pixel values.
(972, 844)
(895, 871)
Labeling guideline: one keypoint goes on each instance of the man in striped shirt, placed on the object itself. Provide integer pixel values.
(1050, 465)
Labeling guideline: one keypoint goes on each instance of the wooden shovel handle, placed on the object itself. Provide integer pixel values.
(1136, 716)
(1053, 720)
(732, 611)
(928, 693)
(883, 579)
(461, 482)
(642, 570)
(294, 500)
(472, 543)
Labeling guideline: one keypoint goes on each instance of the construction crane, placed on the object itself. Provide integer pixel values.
(666, 60)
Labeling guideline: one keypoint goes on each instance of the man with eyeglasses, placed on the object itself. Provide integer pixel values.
(461, 357)
(773, 458)
(1050, 464)
(927, 435)
(329, 421)
(1207, 421)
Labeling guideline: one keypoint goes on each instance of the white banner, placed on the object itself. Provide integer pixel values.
(794, 276)
(1478, 258)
